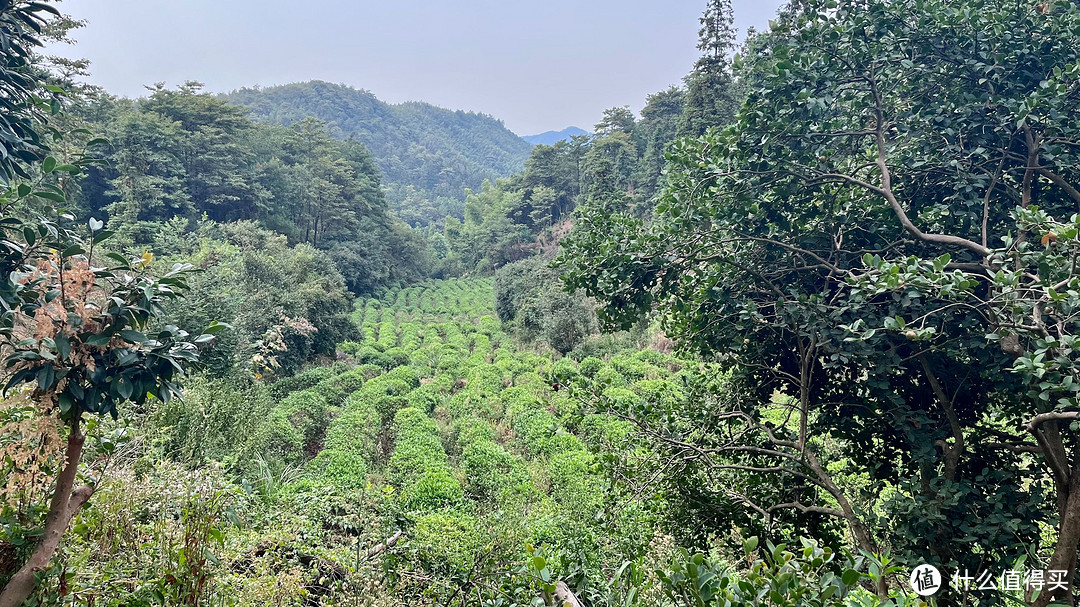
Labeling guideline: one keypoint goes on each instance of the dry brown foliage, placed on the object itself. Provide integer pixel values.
(31, 450)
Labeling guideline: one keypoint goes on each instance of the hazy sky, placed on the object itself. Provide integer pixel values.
(537, 65)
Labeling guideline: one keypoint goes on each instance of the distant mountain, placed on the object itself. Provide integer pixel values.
(437, 151)
(553, 137)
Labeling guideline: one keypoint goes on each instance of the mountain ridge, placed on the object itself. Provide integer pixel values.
(436, 151)
(553, 137)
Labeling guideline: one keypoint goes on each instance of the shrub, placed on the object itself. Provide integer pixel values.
(425, 398)
(396, 357)
(532, 429)
(434, 489)
(516, 399)
(349, 348)
(489, 326)
(306, 413)
(447, 540)
(371, 355)
(470, 430)
(608, 376)
(416, 446)
(214, 417)
(663, 393)
(405, 374)
(606, 432)
(343, 469)
(301, 381)
(489, 469)
(569, 468)
(564, 370)
(471, 402)
(356, 429)
(633, 368)
(590, 366)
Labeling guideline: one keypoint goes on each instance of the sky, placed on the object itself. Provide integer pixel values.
(538, 65)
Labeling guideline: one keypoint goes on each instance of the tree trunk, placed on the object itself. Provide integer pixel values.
(565, 597)
(65, 503)
(1065, 552)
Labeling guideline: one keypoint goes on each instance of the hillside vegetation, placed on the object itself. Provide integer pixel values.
(435, 151)
(437, 432)
(438, 464)
(803, 330)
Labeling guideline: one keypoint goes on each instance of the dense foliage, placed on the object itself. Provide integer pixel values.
(837, 273)
(891, 254)
(181, 155)
(437, 464)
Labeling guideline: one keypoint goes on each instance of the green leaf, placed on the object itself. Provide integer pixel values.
(99, 340)
(133, 336)
(120, 259)
(216, 327)
(53, 196)
(66, 403)
(850, 577)
(49, 165)
(123, 387)
(63, 346)
(750, 545)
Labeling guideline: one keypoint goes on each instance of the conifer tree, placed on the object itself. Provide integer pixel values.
(710, 95)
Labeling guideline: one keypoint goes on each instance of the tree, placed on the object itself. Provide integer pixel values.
(886, 237)
(556, 168)
(616, 120)
(81, 336)
(528, 293)
(147, 183)
(212, 148)
(658, 127)
(711, 98)
(489, 238)
(608, 168)
(75, 331)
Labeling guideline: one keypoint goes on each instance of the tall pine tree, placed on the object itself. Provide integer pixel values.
(711, 98)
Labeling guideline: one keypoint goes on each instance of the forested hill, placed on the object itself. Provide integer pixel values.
(436, 151)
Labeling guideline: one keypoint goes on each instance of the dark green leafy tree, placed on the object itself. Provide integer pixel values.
(288, 305)
(184, 154)
(556, 168)
(81, 338)
(148, 178)
(529, 296)
(616, 120)
(886, 237)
